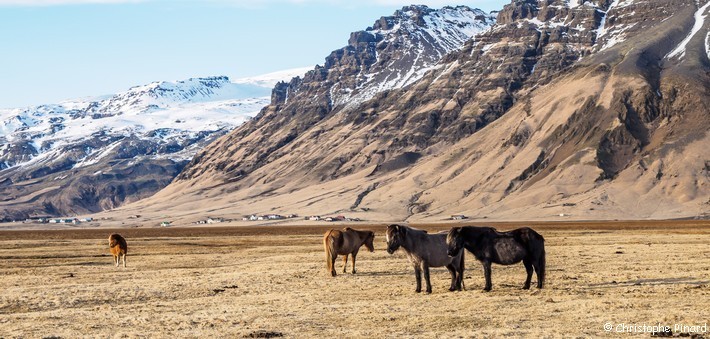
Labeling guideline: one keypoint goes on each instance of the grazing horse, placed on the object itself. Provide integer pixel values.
(505, 248)
(424, 251)
(347, 241)
(119, 248)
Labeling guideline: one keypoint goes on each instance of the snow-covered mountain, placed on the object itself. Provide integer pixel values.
(399, 49)
(161, 123)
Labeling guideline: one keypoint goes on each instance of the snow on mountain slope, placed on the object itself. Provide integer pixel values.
(421, 36)
(176, 109)
(699, 17)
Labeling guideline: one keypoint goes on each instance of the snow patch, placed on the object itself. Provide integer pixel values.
(699, 16)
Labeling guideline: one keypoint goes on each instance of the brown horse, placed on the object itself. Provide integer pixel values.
(119, 248)
(347, 241)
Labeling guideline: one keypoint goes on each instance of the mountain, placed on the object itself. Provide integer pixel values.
(87, 155)
(392, 54)
(561, 109)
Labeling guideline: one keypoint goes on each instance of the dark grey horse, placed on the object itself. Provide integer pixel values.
(424, 251)
(505, 248)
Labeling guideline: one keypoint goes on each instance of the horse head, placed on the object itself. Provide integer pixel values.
(395, 237)
(454, 241)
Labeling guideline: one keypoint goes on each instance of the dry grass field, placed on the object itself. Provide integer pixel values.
(272, 281)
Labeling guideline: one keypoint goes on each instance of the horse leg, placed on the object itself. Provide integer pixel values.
(487, 274)
(331, 265)
(529, 270)
(124, 260)
(354, 255)
(115, 260)
(345, 263)
(452, 271)
(426, 277)
(418, 275)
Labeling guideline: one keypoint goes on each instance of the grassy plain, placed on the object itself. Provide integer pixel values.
(272, 281)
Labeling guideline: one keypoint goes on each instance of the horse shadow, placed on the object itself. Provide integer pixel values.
(381, 274)
(652, 282)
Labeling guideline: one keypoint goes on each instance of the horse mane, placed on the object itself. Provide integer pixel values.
(410, 228)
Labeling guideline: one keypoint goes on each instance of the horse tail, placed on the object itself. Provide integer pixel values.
(329, 247)
(462, 266)
(538, 244)
(542, 266)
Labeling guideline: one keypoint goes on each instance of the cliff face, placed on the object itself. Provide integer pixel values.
(588, 109)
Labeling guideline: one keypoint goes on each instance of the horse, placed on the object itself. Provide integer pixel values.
(119, 248)
(504, 248)
(347, 241)
(425, 250)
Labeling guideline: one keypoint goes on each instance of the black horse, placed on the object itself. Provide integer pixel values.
(505, 248)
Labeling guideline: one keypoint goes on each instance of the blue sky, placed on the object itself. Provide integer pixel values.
(61, 49)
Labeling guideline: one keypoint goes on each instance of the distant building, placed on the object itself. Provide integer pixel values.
(165, 224)
(214, 220)
(458, 217)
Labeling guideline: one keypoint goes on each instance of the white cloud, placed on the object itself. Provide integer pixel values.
(29, 3)
(261, 3)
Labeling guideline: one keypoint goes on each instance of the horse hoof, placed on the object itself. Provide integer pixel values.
(428, 292)
(526, 287)
(486, 290)
(418, 291)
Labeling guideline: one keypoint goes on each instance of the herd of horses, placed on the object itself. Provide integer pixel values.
(446, 249)
(426, 250)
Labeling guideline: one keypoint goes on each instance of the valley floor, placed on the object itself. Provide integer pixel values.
(272, 281)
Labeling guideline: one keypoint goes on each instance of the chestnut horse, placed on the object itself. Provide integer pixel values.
(347, 241)
(119, 248)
